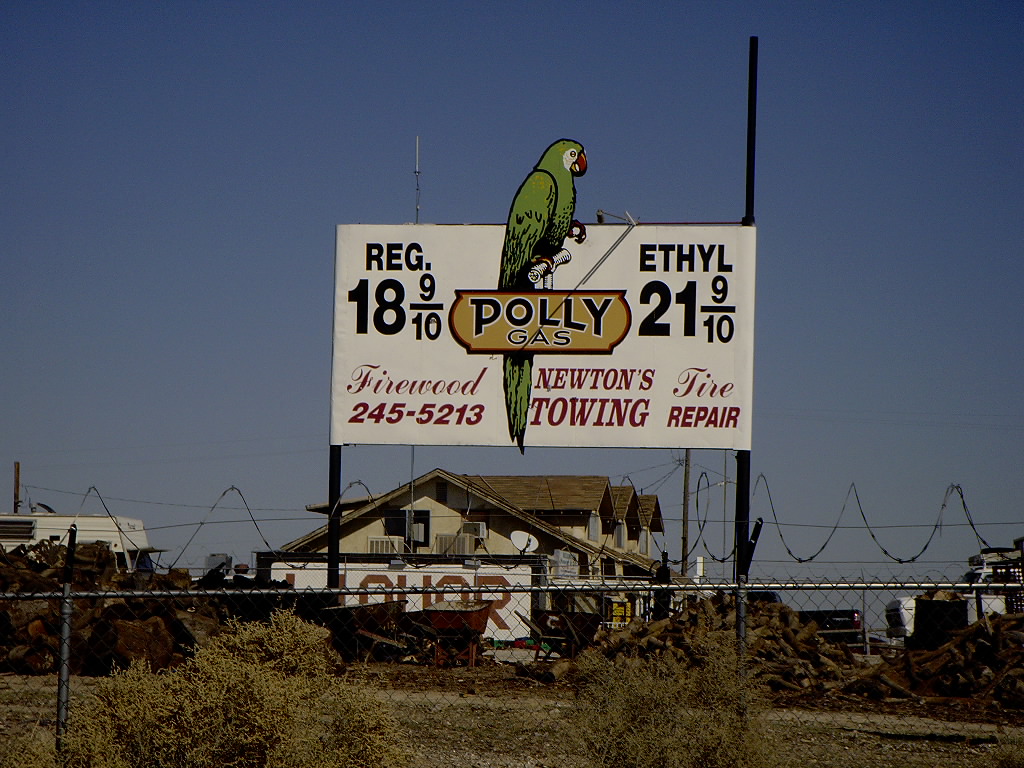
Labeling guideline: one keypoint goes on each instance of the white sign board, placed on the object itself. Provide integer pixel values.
(642, 337)
(566, 564)
(453, 583)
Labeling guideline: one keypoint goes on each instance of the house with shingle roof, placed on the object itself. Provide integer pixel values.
(583, 525)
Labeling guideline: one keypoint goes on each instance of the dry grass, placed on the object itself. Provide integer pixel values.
(659, 713)
(486, 717)
(260, 696)
(1009, 754)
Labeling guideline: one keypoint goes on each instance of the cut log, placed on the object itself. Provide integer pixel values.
(896, 688)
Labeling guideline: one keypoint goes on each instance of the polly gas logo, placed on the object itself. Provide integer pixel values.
(562, 322)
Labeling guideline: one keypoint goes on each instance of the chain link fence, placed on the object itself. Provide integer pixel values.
(941, 663)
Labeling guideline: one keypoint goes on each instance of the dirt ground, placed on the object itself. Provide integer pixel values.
(490, 717)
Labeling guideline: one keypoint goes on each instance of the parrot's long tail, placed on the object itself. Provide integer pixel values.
(518, 372)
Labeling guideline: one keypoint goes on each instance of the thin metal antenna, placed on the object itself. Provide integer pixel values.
(411, 516)
(632, 223)
(417, 174)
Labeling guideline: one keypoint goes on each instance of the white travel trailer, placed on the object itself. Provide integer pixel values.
(126, 536)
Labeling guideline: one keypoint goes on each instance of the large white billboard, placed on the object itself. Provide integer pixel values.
(638, 336)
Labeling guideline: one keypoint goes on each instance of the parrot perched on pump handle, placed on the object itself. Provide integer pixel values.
(539, 221)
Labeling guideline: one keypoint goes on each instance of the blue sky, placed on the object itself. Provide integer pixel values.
(173, 174)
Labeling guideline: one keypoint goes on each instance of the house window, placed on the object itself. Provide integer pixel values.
(607, 566)
(584, 559)
(594, 527)
(421, 526)
(645, 541)
(395, 525)
(441, 491)
(620, 534)
(394, 522)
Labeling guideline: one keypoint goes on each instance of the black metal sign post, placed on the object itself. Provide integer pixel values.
(743, 457)
(334, 519)
(743, 547)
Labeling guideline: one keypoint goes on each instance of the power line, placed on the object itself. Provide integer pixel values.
(852, 491)
(153, 503)
(703, 484)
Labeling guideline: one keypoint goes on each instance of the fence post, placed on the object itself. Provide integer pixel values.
(64, 668)
(662, 607)
(741, 645)
(741, 617)
(865, 632)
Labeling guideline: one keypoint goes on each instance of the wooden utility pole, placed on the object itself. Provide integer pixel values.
(684, 569)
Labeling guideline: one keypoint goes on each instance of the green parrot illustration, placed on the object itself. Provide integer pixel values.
(539, 221)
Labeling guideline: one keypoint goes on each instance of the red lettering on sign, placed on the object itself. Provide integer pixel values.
(503, 600)
(374, 580)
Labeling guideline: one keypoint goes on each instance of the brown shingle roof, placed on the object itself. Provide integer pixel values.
(626, 505)
(650, 513)
(549, 493)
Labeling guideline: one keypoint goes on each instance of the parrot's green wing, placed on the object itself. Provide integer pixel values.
(528, 221)
(517, 371)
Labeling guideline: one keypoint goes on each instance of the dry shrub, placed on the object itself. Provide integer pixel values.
(287, 644)
(661, 713)
(259, 696)
(33, 748)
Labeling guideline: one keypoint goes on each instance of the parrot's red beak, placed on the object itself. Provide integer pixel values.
(580, 166)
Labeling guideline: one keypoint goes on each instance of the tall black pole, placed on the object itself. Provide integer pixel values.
(334, 519)
(742, 563)
(748, 216)
(744, 546)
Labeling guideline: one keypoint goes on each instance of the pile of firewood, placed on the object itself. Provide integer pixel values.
(785, 654)
(39, 568)
(983, 662)
(107, 633)
(111, 629)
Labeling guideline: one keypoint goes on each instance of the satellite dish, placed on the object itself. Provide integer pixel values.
(523, 541)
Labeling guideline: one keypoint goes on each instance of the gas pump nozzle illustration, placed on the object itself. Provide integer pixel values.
(543, 268)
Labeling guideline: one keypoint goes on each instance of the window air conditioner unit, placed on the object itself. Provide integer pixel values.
(419, 532)
(385, 545)
(454, 544)
(475, 529)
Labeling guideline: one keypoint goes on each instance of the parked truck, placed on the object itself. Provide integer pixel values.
(927, 620)
(839, 625)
